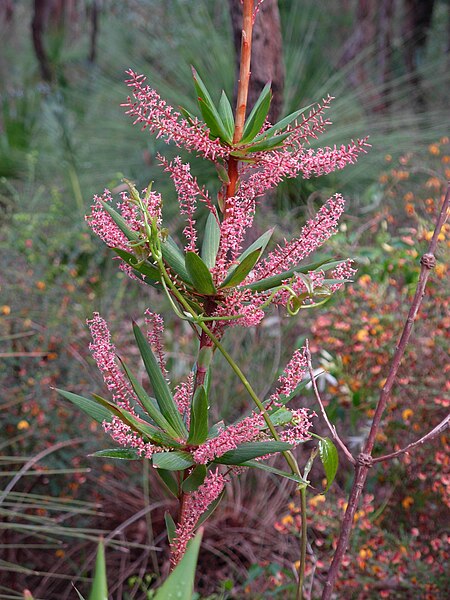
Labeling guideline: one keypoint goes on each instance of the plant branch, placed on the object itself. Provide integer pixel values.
(365, 461)
(331, 427)
(429, 436)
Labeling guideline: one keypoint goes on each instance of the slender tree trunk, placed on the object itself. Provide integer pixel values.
(37, 29)
(267, 56)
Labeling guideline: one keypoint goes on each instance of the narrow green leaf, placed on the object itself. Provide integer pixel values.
(99, 590)
(194, 480)
(170, 527)
(133, 236)
(270, 143)
(276, 280)
(280, 125)
(265, 467)
(120, 453)
(173, 461)
(281, 416)
(139, 425)
(330, 460)
(209, 112)
(226, 114)
(242, 270)
(198, 431)
(187, 115)
(160, 387)
(144, 267)
(174, 257)
(148, 403)
(251, 450)
(261, 243)
(180, 583)
(211, 241)
(169, 481)
(199, 274)
(90, 407)
(257, 115)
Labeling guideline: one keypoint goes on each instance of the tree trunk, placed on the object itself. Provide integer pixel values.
(267, 55)
(37, 29)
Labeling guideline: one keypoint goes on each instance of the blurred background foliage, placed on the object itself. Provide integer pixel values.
(64, 137)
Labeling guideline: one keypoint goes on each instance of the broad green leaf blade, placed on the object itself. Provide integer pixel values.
(99, 590)
(257, 115)
(199, 274)
(174, 257)
(264, 467)
(145, 268)
(209, 112)
(251, 450)
(160, 387)
(90, 407)
(211, 241)
(198, 430)
(173, 461)
(276, 280)
(242, 270)
(148, 403)
(280, 125)
(131, 235)
(180, 583)
(195, 479)
(330, 460)
(120, 453)
(226, 114)
(169, 481)
(170, 527)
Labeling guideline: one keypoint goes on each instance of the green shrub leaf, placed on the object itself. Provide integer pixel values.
(174, 257)
(120, 453)
(169, 481)
(280, 125)
(330, 460)
(257, 115)
(264, 467)
(198, 431)
(241, 271)
(99, 590)
(199, 274)
(226, 114)
(90, 407)
(173, 461)
(194, 480)
(211, 241)
(170, 527)
(251, 450)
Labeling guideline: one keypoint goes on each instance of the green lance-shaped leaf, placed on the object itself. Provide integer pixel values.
(264, 467)
(148, 403)
(260, 243)
(257, 115)
(199, 274)
(211, 241)
(330, 460)
(180, 583)
(198, 429)
(270, 143)
(251, 450)
(280, 125)
(242, 270)
(173, 461)
(194, 480)
(276, 280)
(131, 235)
(99, 590)
(139, 425)
(161, 389)
(169, 481)
(226, 114)
(171, 528)
(118, 453)
(90, 407)
(174, 257)
(209, 112)
(151, 273)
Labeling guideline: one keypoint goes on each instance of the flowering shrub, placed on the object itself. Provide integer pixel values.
(214, 283)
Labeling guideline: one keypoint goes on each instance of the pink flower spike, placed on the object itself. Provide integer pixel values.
(313, 235)
(103, 226)
(293, 374)
(298, 431)
(183, 395)
(155, 332)
(125, 436)
(194, 506)
(343, 271)
(104, 354)
(158, 117)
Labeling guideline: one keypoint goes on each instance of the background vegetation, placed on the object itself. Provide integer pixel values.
(63, 138)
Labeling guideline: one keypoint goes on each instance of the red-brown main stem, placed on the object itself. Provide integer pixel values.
(242, 95)
(364, 461)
